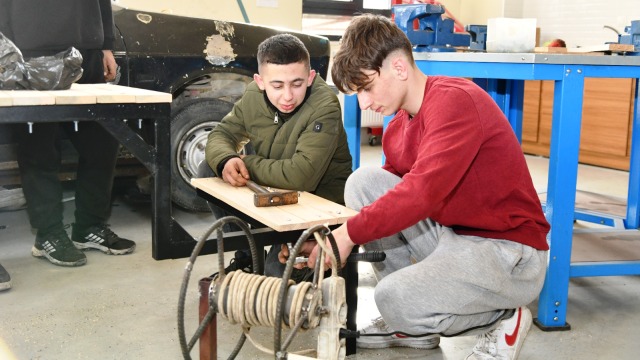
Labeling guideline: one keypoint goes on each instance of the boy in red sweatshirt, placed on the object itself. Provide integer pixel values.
(453, 207)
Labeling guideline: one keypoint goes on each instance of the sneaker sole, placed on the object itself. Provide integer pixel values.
(405, 342)
(104, 249)
(5, 285)
(41, 253)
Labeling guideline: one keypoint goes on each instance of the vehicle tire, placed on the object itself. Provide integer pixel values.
(191, 123)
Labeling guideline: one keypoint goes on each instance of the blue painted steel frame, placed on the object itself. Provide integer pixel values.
(504, 81)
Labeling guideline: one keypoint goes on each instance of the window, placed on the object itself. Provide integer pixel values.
(346, 7)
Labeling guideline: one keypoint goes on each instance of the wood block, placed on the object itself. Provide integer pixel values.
(32, 97)
(310, 210)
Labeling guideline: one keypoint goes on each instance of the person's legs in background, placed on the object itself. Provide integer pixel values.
(5, 279)
(39, 160)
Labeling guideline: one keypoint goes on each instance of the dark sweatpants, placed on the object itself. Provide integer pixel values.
(39, 159)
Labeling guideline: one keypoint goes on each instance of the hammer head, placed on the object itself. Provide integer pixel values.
(275, 198)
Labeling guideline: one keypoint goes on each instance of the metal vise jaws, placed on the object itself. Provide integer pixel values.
(434, 33)
(632, 36)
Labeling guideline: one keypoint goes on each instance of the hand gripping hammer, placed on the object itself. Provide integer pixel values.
(264, 197)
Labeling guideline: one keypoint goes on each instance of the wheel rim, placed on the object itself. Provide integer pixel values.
(190, 151)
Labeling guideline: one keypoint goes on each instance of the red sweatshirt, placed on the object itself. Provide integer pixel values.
(461, 166)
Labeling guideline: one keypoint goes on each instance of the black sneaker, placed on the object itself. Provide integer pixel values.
(58, 249)
(241, 261)
(5, 279)
(102, 238)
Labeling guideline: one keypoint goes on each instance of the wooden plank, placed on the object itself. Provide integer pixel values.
(309, 211)
(33, 97)
(550, 50)
(80, 94)
(586, 49)
(106, 95)
(74, 97)
(5, 98)
(142, 96)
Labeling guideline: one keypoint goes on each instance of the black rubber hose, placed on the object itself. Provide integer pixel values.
(282, 298)
(217, 225)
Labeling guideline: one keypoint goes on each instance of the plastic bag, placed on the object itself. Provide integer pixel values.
(56, 72)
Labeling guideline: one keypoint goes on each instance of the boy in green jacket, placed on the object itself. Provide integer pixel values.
(293, 121)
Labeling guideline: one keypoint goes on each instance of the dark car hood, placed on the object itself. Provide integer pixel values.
(221, 43)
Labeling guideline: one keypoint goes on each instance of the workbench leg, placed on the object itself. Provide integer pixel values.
(633, 196)
(509, 96)
(516, 100)
(352, 123)
(209, 338)
(561, 196)
(351, 286)
(162, 219)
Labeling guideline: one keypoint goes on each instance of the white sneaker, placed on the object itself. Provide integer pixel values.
(505, 341)
(379, 326)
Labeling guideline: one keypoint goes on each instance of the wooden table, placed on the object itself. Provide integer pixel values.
(111, 106)
(288, 222)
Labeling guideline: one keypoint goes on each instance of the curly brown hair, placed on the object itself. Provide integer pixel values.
(366, 43)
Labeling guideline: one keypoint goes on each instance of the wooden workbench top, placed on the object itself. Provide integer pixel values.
(309, 211)
(83, 94)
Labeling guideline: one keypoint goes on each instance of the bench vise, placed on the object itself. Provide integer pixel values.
(632, 36)
(434, 33)
(478, 37)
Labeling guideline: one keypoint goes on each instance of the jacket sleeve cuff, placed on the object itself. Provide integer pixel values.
(352, 229)
(222, 163)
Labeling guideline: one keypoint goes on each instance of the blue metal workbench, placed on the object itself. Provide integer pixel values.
(503, 77)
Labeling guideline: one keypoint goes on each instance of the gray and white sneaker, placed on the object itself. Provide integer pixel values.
(56, 247)
(378, 335)
(505, 341)
(102, 238)
(5, 279)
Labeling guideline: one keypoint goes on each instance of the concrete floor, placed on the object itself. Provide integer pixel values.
(124, 307)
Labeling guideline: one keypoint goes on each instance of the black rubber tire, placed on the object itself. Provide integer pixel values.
(189, 124)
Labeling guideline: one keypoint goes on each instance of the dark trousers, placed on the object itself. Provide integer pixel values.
(39, 159)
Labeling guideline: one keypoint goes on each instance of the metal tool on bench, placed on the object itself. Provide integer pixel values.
(264, 197)
(631, 36)
(255, 300)
(435, 33)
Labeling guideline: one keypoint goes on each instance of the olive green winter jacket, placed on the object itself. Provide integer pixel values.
(306, 151)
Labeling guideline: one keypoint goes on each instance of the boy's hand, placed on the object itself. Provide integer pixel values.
(305, 250)
(235, 172)
(109, 64)
(345, 245)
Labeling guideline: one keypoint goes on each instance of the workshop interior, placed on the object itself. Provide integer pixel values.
(564, 73)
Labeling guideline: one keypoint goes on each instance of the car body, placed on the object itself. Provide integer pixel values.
(205, 64)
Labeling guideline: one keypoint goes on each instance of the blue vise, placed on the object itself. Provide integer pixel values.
(632, 36)
(434, 33)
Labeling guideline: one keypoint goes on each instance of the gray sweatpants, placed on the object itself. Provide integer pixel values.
(434, 280)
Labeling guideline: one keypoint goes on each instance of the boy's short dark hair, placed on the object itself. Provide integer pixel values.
(367, 41)
(282, 49)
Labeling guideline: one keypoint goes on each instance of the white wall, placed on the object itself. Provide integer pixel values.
(278, 13)
(580, 22)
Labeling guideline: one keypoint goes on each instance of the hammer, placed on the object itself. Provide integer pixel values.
(264, 197)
